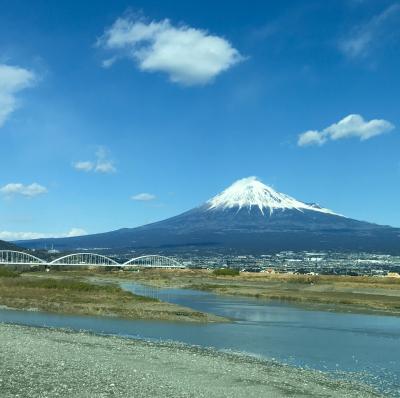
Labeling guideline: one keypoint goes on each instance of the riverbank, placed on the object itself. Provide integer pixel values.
(46, 362)
(104, 296)
(69, 294)
(328, 292)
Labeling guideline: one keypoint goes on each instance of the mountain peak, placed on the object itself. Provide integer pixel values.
(250, 192)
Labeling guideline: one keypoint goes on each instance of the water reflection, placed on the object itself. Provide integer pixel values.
(367, 344)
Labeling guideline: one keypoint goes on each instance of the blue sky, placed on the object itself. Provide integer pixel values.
(115, 114)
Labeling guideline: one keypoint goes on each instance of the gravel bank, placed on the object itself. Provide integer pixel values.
(38, 362)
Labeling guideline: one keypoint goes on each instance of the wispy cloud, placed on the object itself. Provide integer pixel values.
(143, 197)
(365, 37)
(187, 55)
(350, 126)
(105, 167)
(13, 79)
(13, 236)
(102, 164)
(84, 166)
(30, 191)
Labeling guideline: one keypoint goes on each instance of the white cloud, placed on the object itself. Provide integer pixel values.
(74, 232)
(311, 137)
(143, 197)
(105, 166)
(13, 236)
(13, 79)
(102, 164)
(84, 166)
(373, 33)
(189, 56)
(107, 63)
(350, 126)
(23, 190)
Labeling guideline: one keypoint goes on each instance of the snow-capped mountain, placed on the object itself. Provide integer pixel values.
(247, 217)
(250, 192)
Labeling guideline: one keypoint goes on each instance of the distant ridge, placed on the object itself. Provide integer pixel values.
(8, 246)
(247, 217)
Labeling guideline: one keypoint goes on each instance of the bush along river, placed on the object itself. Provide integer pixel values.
(348, 346)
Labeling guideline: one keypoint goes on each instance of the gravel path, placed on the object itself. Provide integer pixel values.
(37, 362)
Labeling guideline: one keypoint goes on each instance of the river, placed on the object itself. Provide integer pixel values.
(351, 346)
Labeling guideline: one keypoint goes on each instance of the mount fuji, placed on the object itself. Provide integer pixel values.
(248, 217)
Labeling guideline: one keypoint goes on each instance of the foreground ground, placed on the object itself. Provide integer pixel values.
(50, 363)
(336, 293)
(71, 295)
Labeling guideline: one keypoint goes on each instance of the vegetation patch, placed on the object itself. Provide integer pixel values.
(226, 272)
(57, 292)
(7, 273)
(67, 284)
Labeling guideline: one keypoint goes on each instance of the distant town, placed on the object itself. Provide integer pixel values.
(305, 262)
(315, 263)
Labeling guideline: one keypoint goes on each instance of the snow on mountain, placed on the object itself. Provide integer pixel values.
(220, 226)
(250, 192)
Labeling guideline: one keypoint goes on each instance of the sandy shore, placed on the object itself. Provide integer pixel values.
(39, 362)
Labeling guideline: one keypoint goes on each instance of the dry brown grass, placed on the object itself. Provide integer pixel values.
(343, 293)
(73, 296)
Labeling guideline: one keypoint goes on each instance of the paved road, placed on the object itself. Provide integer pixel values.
(38, 362)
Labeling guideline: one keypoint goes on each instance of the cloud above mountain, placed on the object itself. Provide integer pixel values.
(350, 126)
(189, 56)
(13, 236)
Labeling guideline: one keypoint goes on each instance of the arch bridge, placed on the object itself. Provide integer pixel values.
(153, 261)
(84, 259)
(12, 257)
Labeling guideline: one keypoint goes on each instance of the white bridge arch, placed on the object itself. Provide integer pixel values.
(16, 257)
(84, 259)
(154, 261)
(12, 257)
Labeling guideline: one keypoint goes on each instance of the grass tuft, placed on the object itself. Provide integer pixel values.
(67, 284)
(7, 273)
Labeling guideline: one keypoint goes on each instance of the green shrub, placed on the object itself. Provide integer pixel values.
(7, 273)
(226, 272)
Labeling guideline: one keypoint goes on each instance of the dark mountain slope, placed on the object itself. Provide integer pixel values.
(248, 217)
(8, 246)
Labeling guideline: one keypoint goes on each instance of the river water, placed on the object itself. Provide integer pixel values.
(353, 346)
